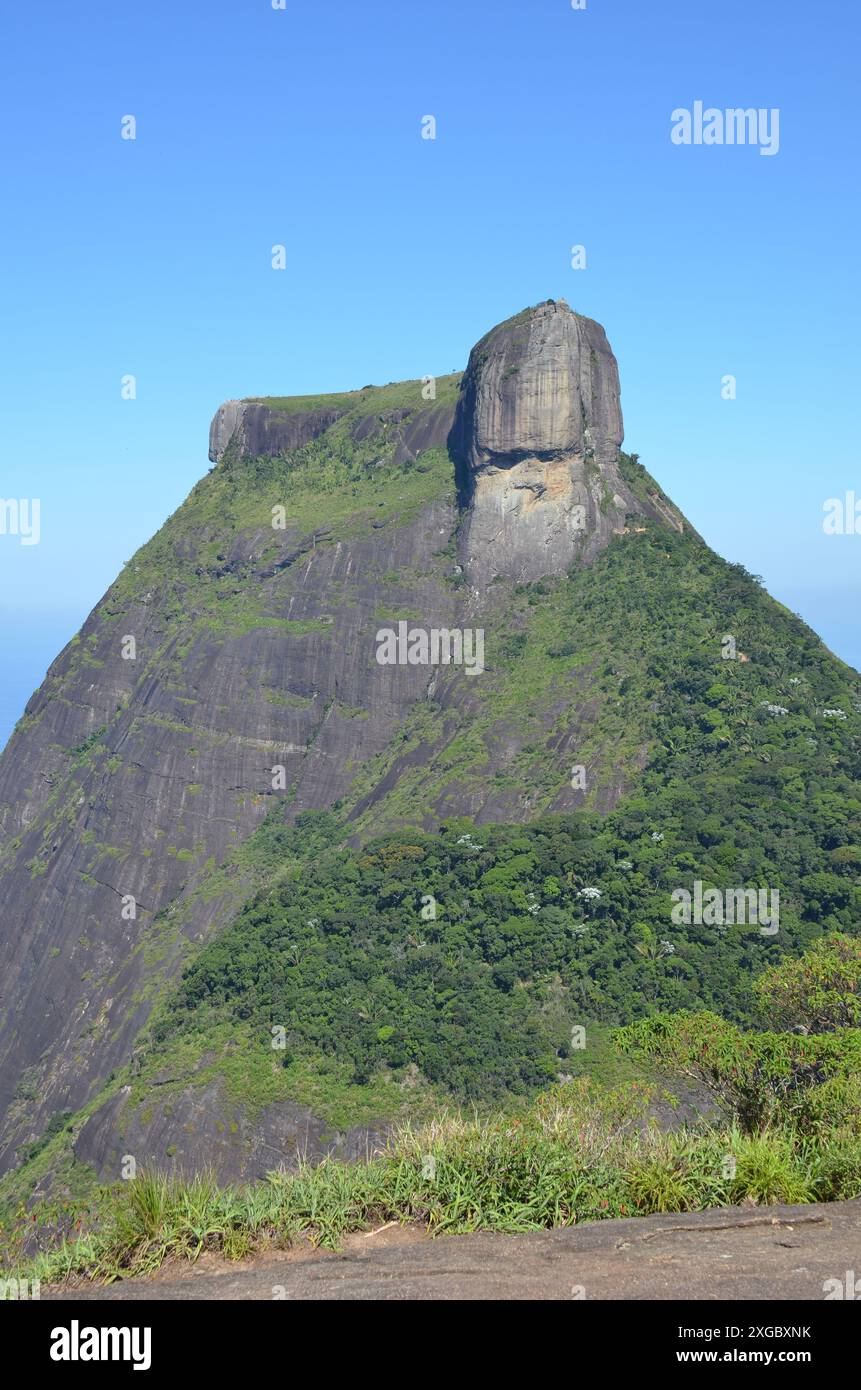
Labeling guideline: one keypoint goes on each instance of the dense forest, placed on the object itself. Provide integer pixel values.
(472, 951)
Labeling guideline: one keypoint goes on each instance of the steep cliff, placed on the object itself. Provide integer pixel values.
(233, 672)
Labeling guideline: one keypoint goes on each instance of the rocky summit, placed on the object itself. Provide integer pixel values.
(537, 436)
(225, 812)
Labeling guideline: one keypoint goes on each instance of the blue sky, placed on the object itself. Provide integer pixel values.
(302, 126)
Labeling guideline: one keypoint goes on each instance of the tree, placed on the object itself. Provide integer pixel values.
(809, 1083)
(817, 993)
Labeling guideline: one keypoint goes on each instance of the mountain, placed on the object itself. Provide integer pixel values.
(274, 871)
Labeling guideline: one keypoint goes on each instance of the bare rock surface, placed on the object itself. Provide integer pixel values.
(537, 437)
(201, 1127)
(740, 1253)
(255, 428)
(542, 385)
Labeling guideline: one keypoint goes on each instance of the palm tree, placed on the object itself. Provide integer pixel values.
(653, 949)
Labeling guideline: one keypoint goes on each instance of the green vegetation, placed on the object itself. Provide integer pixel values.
(578, 1154)
(397, 395)
(790, 1131)
(817, 993)
(566, 920)
(330, 488)
(809, 1078)
(623, 664)
(734, 773)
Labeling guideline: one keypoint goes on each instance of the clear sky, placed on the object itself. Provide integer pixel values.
(302, 126)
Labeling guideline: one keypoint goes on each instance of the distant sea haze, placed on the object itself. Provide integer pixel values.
(29, 642)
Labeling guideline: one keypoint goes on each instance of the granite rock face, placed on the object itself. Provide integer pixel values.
(199, 1128)
(537, 438)
(127, 781)
(126, 777)
(542, 385)
(254, 428)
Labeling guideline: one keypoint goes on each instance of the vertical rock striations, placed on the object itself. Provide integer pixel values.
(536, 439)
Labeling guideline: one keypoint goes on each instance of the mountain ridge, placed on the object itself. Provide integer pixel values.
(146, 779)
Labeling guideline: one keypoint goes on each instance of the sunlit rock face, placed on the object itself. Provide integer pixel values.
(536, 438)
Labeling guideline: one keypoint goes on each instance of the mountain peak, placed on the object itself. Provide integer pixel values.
(534, 433)
(542, 384)
(536, 440)
(134, 788)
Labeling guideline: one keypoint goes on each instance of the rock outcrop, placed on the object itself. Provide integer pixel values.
(127, 780)
(255, 428)
(537, 438)
(542, 385)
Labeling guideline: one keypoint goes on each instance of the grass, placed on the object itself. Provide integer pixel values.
(576, 1154)
(370, 399)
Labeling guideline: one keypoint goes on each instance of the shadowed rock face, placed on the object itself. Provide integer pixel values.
(199, 1127)
(537, 437)
(256, 429)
